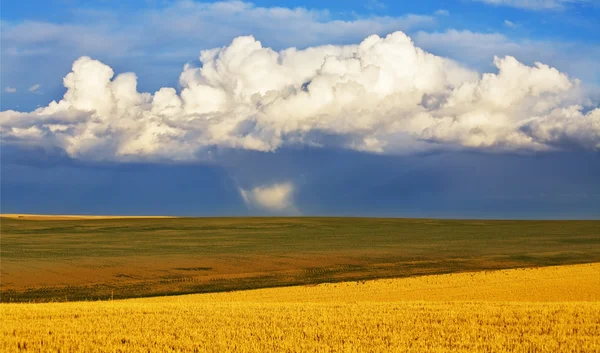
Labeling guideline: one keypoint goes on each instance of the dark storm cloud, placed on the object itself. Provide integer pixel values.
(326, 182)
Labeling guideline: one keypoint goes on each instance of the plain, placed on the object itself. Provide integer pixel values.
(551, 309)
(64, 259)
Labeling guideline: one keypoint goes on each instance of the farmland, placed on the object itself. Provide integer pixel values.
(550, 309)
(65, 259)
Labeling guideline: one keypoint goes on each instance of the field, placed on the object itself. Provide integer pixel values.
(69, 258)
(550, 309)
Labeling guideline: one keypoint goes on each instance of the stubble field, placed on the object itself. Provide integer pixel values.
(551, 309)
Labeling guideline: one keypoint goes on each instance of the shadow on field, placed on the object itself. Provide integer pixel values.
(66, 260)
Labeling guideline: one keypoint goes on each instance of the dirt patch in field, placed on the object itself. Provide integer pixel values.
(137, 277)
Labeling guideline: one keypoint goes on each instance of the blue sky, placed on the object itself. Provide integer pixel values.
(568, 36)
(245, 141)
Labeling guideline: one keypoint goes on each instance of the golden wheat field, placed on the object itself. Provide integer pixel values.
(553, 309)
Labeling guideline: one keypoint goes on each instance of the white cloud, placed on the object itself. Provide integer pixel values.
(273, 198)
(161, 34)
(478, 50)
(375, 5)
(384, 95)
(442, 12)
(510, 24)
(533, 4)
(187, 22)
(156, 40)
(35, 88)
(9, 89)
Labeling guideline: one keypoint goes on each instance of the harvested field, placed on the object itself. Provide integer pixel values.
(520, 310)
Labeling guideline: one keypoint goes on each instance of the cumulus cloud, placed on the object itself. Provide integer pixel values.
(273, 198)
(9, 89)
(384, 95)
(161, 32)
(35, 88)
(478, 49)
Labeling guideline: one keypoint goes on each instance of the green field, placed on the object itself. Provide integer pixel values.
(45, 260)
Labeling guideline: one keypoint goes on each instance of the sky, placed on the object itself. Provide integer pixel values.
(454, 109)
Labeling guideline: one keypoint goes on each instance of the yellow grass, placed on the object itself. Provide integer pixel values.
(545, 284)
(555, 309)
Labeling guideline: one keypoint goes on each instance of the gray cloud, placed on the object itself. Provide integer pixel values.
(326, 182)
(35, 88)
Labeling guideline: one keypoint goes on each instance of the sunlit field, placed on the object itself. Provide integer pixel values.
(284, 176)
(550, 309)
